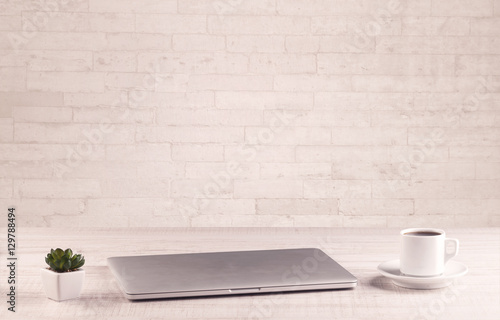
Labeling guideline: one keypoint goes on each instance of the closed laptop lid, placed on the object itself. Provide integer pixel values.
(176, 275)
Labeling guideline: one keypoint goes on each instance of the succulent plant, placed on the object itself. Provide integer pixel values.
(60, 260)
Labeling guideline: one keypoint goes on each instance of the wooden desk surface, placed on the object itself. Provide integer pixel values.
(475, 296)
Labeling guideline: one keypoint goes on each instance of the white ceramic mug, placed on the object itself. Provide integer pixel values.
(423, 251)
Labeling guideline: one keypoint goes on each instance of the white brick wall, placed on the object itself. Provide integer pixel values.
(251, 113)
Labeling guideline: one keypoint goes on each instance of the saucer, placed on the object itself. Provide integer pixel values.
(390, 269)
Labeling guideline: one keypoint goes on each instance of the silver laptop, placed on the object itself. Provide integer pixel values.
(228, 273)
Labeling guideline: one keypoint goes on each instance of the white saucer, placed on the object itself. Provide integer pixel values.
(390, 269)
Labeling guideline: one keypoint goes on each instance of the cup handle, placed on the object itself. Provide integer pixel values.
(448, 256)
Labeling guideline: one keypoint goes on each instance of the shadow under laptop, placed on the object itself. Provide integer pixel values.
(235, 296)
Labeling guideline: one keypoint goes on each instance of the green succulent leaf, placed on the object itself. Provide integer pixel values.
(61, 260)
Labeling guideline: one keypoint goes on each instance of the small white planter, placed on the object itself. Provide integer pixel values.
(62, 286)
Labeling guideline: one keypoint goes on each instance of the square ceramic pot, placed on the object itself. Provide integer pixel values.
(62, 286)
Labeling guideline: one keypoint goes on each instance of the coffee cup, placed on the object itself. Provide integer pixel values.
(423, 251)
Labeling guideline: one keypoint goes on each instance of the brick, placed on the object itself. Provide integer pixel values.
(341, 153)
(160, 169)
(297, 207)
(387, 64)
(477, 189)
(230, 82)
(467, 8)
(115, 61)
(249, 153)
(103, 170)
(229, 207)
(390, 118)
(168, 82)
(295, 170)
(49, 188)
(149, 6)
(126, 206)
(485, 170)
(73, 133)
(222, 171)
(6, 130)
(132, 41)
(255, 43)
(434, 26)
(197, 152)
(12, 79)
(355, 43)
(42, 114)
(374, 25)
(444, 171)
(35, 152)
(348, 101)
(458, 207)
(432, 151)
(340, 189)
(459, 136)
(59, 60)
(329, 25)
(405, 83)
(479, 65)
(193, 62)
(263, 100)
(191, 100)
(376, 207)
(129, 80)
(112, 115)
(260, 25)
(6, 188)
(198, 42)
(55, 21)
(190, 134)
(77, 41)
(11, 23)
(205, 189)
(282, 64)
(135, 188)
(368, 169)
(111, 22)
(108, 98)
(168, 24)
(302, 44)
(322, 7)
(322, 118)
(139, 152)
(5, 111)
(311, 83)
(485, 26)
(267, 189)
(365, 221)
(208, 117)
(66, 81)
(287, 136)
(52, 207)
(438, 45)
(407, 189)
(223, 8)
(369, 136)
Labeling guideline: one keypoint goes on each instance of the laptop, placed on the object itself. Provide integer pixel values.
(228, 273)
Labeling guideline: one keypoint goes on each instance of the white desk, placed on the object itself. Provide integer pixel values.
(475, 296)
